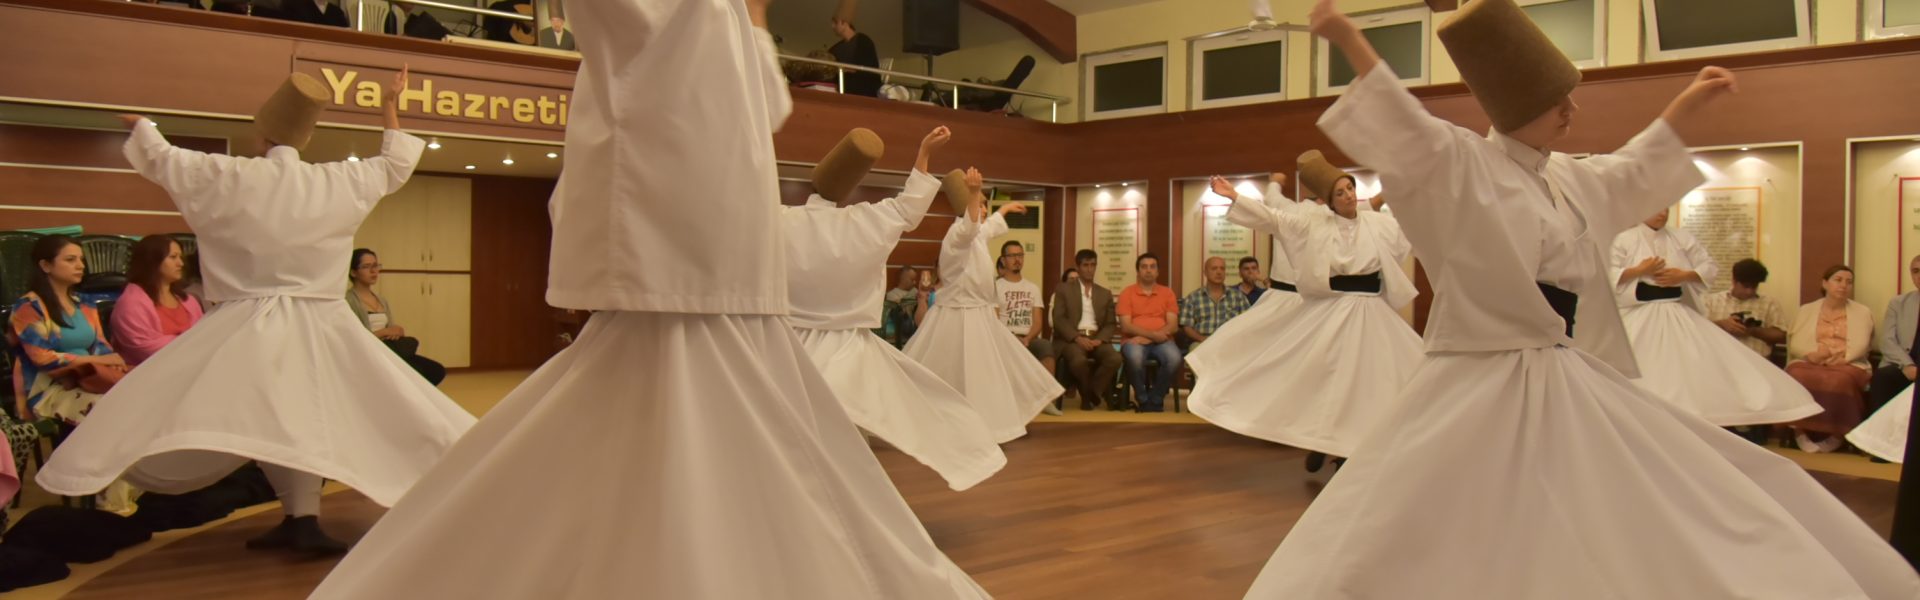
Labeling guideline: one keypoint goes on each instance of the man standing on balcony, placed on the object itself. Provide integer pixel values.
(317, 12)
(855, 48)
(557, 37)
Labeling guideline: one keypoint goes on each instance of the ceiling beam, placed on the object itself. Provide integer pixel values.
(1050, 27)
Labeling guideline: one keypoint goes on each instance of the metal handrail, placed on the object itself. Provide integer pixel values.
(466, 9)
(841, 69)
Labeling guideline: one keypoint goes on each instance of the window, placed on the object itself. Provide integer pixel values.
(1577, 27)
(1240, 67)
(1125, 83)
(1696, 28)
(1400, 36)
(1892, 18)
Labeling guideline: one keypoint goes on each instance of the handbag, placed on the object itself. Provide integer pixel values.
(405, 346)
(88, 377)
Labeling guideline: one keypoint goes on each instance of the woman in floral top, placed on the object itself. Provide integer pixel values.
(52, 330)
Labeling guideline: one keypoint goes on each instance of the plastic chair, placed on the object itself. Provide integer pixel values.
(16, 261)
(106, 253)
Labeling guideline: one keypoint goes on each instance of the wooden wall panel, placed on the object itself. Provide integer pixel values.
(513, 327)
(33, 186)
(39, 145)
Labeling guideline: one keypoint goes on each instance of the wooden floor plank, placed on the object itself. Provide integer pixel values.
(1108, 510)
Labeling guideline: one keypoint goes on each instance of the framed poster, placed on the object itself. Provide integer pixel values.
(1726, 221)
(1222, 238)
(1116, 236)
(1909, 240)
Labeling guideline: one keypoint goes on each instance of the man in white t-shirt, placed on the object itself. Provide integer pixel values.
(1021, 307)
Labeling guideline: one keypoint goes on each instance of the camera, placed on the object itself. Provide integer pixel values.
(1747, 319)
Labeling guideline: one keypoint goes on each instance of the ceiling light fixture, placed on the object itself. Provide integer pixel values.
(433, 145)
(352, 158)
(1744, 148)
(471, 167)
(506, 161)
(553, 155)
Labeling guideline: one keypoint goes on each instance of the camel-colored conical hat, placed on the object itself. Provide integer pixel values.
(847, 164)
(288, 117)
(1514, 70)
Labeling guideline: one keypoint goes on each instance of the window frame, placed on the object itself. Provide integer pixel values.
(1413, 13)
(1197, 72)
(1875, 11)
(1089, 82)
(1650, 33)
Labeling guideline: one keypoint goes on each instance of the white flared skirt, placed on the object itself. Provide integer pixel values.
(659, 456)
(1319, 376)
(295, 382)
(1885, 433)
(905, 404)
(1688, 361)
(971, 350)
(1544, 473)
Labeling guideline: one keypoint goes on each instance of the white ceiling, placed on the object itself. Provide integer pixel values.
(1082, 7)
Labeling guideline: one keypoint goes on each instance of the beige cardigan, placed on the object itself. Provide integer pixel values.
(1803, 338)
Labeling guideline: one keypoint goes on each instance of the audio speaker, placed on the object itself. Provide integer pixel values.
(930, 27)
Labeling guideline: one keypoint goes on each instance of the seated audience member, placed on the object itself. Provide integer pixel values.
(1827, 353)
(1253, 283)
(1148, 313)
(556, 37)
(1207, 308)
(60, 339)
(374, 313)
(153, 310)
(1020, 310)
(316, 12)
(901, 304)
(1895, 341)
(1756, 320)
(415, 22)
(1083, 325)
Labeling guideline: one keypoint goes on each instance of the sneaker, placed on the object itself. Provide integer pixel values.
(1805, 443)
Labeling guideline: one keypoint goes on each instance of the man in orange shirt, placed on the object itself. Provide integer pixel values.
(1148, 314)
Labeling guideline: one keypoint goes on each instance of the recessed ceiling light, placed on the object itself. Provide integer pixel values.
(506, 161)
(471, 167)
(1744, 148)
(433, 145)
(553, 155)
(352, 158)
(1098, 186)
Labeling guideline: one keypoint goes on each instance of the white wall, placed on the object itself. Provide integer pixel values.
(1880, 265)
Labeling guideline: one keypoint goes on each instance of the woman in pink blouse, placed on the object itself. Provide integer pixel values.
(1827, 353)
(153, 310)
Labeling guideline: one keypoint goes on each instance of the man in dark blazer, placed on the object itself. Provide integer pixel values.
(1080, 337)
(556, 37)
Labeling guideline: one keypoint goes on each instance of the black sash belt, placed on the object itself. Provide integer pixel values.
(1368, 283)
(1282, 285)
(1647, 292)
(1563, 302)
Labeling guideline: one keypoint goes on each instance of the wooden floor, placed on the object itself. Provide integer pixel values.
(1111, 511)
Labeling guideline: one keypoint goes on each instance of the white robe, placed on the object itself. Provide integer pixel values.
(968, 346)
(283, 372)
(1521, 467)
(1325, 374)
(684, 446)
(836, 269)
(1885, 433)
(1686, 359)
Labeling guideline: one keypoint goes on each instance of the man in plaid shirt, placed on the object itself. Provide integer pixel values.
(1206, 309)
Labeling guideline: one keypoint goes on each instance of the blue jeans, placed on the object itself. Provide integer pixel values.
(1136, 355)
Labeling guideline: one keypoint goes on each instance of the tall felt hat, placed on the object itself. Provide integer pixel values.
(846, 10)
(954, 185)
(844, 166)
(1318, 175)
(1513, 69)
(288, 117)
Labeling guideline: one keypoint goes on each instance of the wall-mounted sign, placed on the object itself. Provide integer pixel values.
(1116, 236)
(1726, 220)
(1223, 238)
(362, 89)
(1909, 201)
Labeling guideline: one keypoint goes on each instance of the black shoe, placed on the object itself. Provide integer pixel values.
(1315, 460)
(309, 539)
(281, 536)
(1086, 403)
